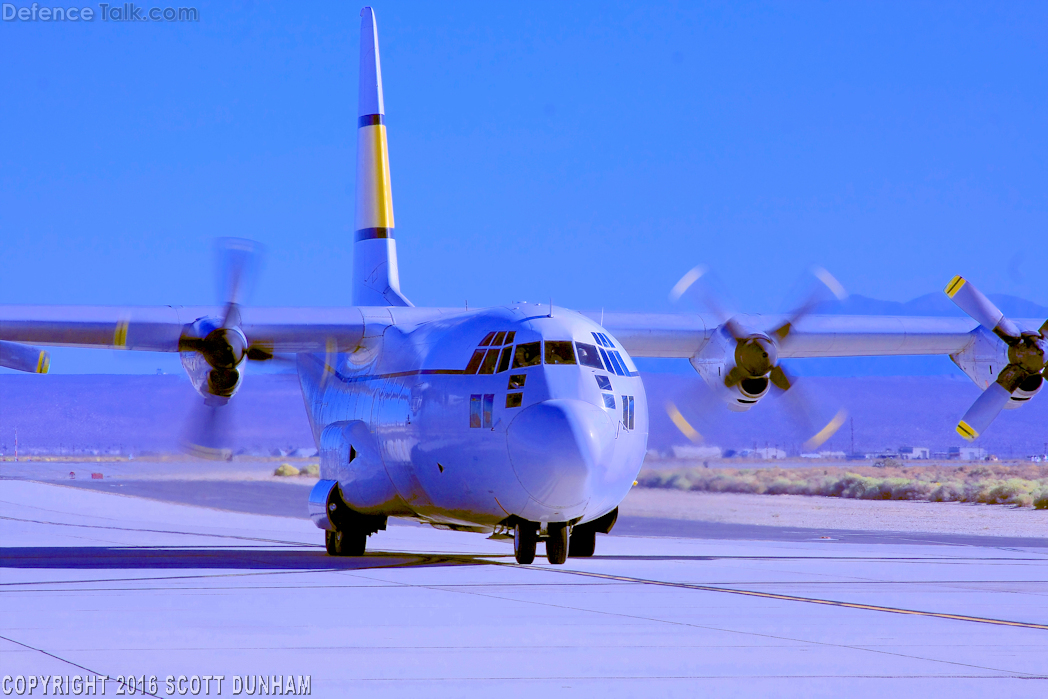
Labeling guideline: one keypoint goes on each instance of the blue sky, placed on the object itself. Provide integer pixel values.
(591, 152)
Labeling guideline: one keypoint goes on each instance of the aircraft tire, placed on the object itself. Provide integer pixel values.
(583, 543)
(525, 538)
(557, 542)
(346, 543)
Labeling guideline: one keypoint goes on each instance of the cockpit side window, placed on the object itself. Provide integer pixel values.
(474, 362)
(588, 355)
(558, 352)
(491, 359)
(527, 354)
(507, 355)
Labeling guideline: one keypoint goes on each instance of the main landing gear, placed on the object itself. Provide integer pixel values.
(346, 543)
(526, 537)
(351, 529)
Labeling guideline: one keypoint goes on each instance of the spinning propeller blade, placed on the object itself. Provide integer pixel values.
(755, 360)
(224, 348)
(1026, 357)
(983, 411)
(974, 303)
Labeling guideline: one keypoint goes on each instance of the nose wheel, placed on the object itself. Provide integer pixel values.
(525, 537)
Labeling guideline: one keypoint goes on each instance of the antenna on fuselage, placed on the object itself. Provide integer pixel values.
(550, 307)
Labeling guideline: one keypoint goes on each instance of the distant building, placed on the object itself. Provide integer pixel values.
(836, 455)
(915, 453)
(693, 452)
(967, 453)
(769, 453)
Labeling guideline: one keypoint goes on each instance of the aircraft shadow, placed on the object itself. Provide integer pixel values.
(141, 558)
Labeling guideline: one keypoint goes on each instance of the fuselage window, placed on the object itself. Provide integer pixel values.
(627, 412)
(474, 362)
(499, 337)
(560, 353)
(489, 408)
(588, 355)
(527, 354)
(487, 339)
(603, 382)
(491, 360)
(507, 355)
(609, 400)
(480, 409)
(513, 400)
(517, 380)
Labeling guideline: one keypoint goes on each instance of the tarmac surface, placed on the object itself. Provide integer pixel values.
(158, 578)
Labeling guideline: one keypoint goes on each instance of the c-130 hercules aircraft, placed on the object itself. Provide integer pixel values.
(527, 419)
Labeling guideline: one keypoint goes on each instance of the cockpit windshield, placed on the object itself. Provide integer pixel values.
(560, 353)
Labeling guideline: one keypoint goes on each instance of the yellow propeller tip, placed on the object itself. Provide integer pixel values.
(954, 286)
(966, 431)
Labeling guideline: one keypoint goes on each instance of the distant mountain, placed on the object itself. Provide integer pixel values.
(122, 413)
(936, 304)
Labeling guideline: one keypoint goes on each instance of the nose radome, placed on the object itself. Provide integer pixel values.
(556, 447)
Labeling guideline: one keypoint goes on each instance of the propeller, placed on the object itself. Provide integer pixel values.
(1027, 352)
(756, 362)
(223, 347)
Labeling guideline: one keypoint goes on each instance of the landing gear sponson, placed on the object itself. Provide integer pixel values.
(562, 540)
(346, 531)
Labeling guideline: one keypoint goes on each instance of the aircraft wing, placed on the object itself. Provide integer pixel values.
(158, 328)
(683, 335)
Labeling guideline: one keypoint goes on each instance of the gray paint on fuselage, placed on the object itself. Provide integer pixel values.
(414, 396)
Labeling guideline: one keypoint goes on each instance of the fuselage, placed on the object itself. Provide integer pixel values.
(525, 411)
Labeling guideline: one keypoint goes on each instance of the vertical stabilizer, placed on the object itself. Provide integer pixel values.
(376, 281)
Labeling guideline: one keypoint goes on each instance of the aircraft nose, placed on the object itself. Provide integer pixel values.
(556, 448)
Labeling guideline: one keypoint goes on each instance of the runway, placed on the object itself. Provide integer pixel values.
(116, 584)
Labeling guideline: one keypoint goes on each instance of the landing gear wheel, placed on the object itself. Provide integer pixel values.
(583, 543)
(557, 542)
(525, 537)
(346, 543)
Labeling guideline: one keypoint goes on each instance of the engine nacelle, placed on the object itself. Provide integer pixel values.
(1029, 388)
(713, 363)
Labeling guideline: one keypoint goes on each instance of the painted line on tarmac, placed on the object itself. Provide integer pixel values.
(793, 598)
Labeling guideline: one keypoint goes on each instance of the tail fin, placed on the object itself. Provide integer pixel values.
(376, 281)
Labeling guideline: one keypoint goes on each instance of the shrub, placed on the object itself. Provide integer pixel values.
(947, 492)
(285, 470)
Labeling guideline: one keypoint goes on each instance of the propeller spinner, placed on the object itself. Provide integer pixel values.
(1027, 352)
